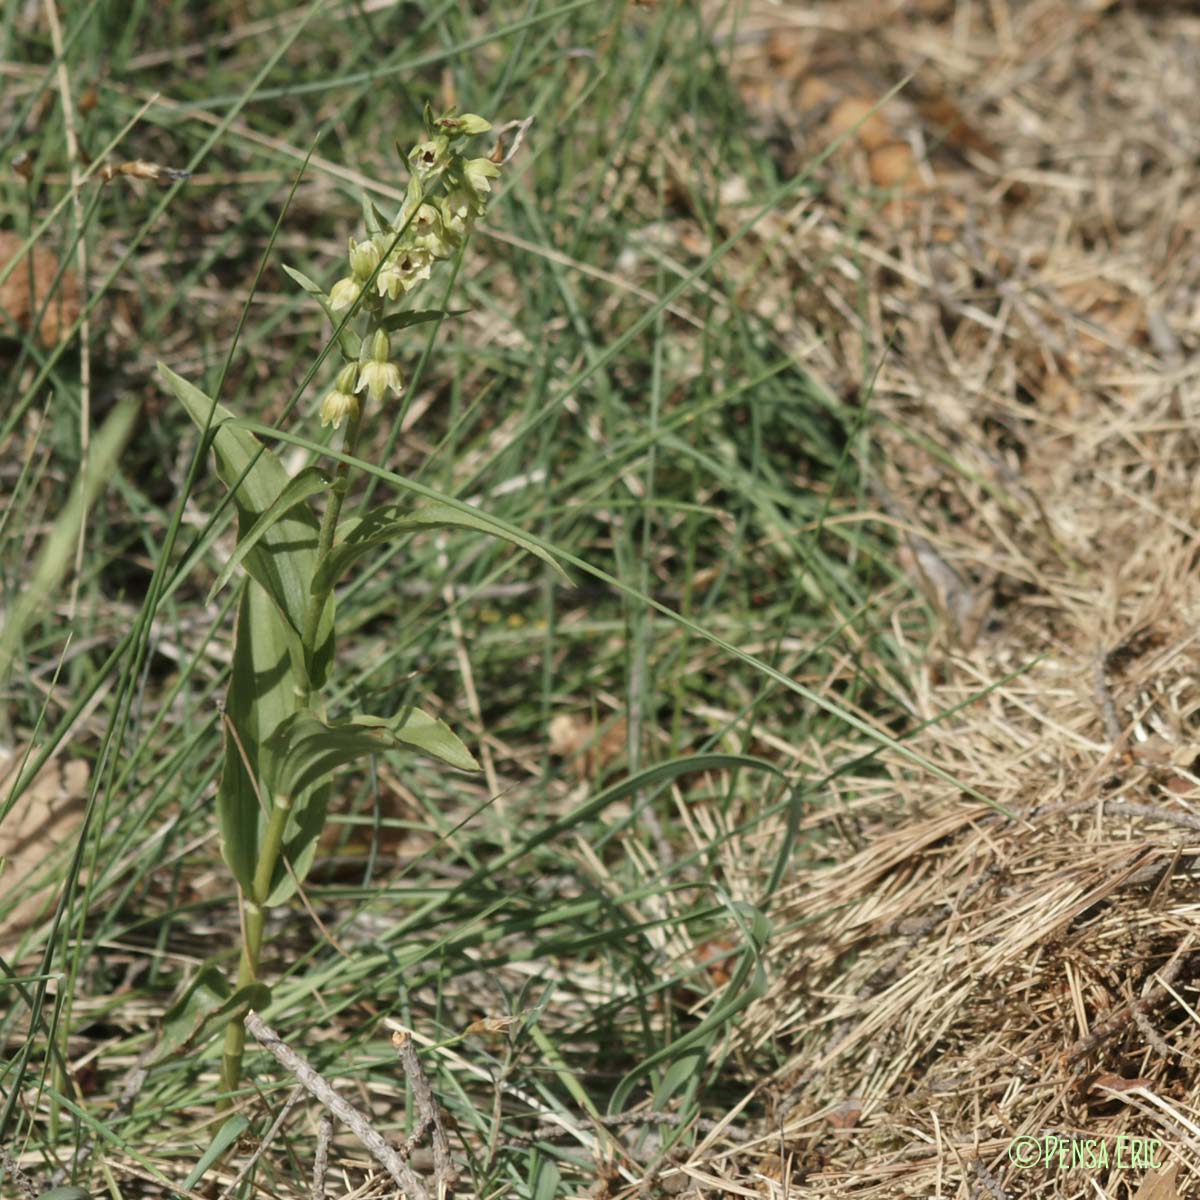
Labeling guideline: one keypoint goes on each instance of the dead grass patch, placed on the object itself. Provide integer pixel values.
(953, 978)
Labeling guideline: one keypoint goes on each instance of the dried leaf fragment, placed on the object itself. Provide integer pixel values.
(45, 816)
(1159, 1185)
(34, 285)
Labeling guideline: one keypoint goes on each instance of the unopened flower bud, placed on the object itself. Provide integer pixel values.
(345, 292)
(364, 258)
(467, 125)
(340, 401)
(478, 174)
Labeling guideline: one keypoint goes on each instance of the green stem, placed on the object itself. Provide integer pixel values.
(254, 905)
(329, 523)
(254, 908)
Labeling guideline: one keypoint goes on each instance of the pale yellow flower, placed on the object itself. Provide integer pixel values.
(364, 258)
(390, 281)
(407, 267)
(478, 174)
(378, 378)
(428, 232)
(458, 214)
(340, 401)
(345, 292)
(430, 158)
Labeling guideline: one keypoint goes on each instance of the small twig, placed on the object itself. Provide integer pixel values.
(1187, 820)
(521, 128)
(321, 1159)
(414, 1139)
(989, 1181)
(81, 259)
(427, 1109)
(1152, 1036)
(1108, 710)
(373, 1141)
(25, 1185)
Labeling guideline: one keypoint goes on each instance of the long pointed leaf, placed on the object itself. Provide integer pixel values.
(309, 482)
(306, 749)
(748, 983)
(284, 560)
(383, 525)
(349, 341)
(262, 695)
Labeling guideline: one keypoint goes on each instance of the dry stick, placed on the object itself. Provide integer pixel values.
(1187, 820)
(24, 1184)
(989, 1181)
(373, 1141)
(427, 1109)
(81, 258)
(321, 1159)
(1108, 710)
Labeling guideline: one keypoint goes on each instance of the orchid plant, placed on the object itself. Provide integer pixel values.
(282, 748)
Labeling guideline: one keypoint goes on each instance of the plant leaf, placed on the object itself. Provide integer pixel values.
(309, 285)
(304, 750)
(404, 320)
(309, 482)
(300, 842)
(57, 551)
(206, 1000)
(262, 695)
(225, 1137)
(284, 560)
(307, 749)
(383, 525)
(373, 219)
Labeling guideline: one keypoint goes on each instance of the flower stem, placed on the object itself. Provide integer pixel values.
(254, 905)
(329, 523)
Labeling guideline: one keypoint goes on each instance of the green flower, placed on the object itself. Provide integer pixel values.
(431, 158)
(340, 401)
(408, 266)
(364, 258)
(458, 214)
(345, 292)
(478, 174)
(379, 376)
(468, 125)
(429, 232)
